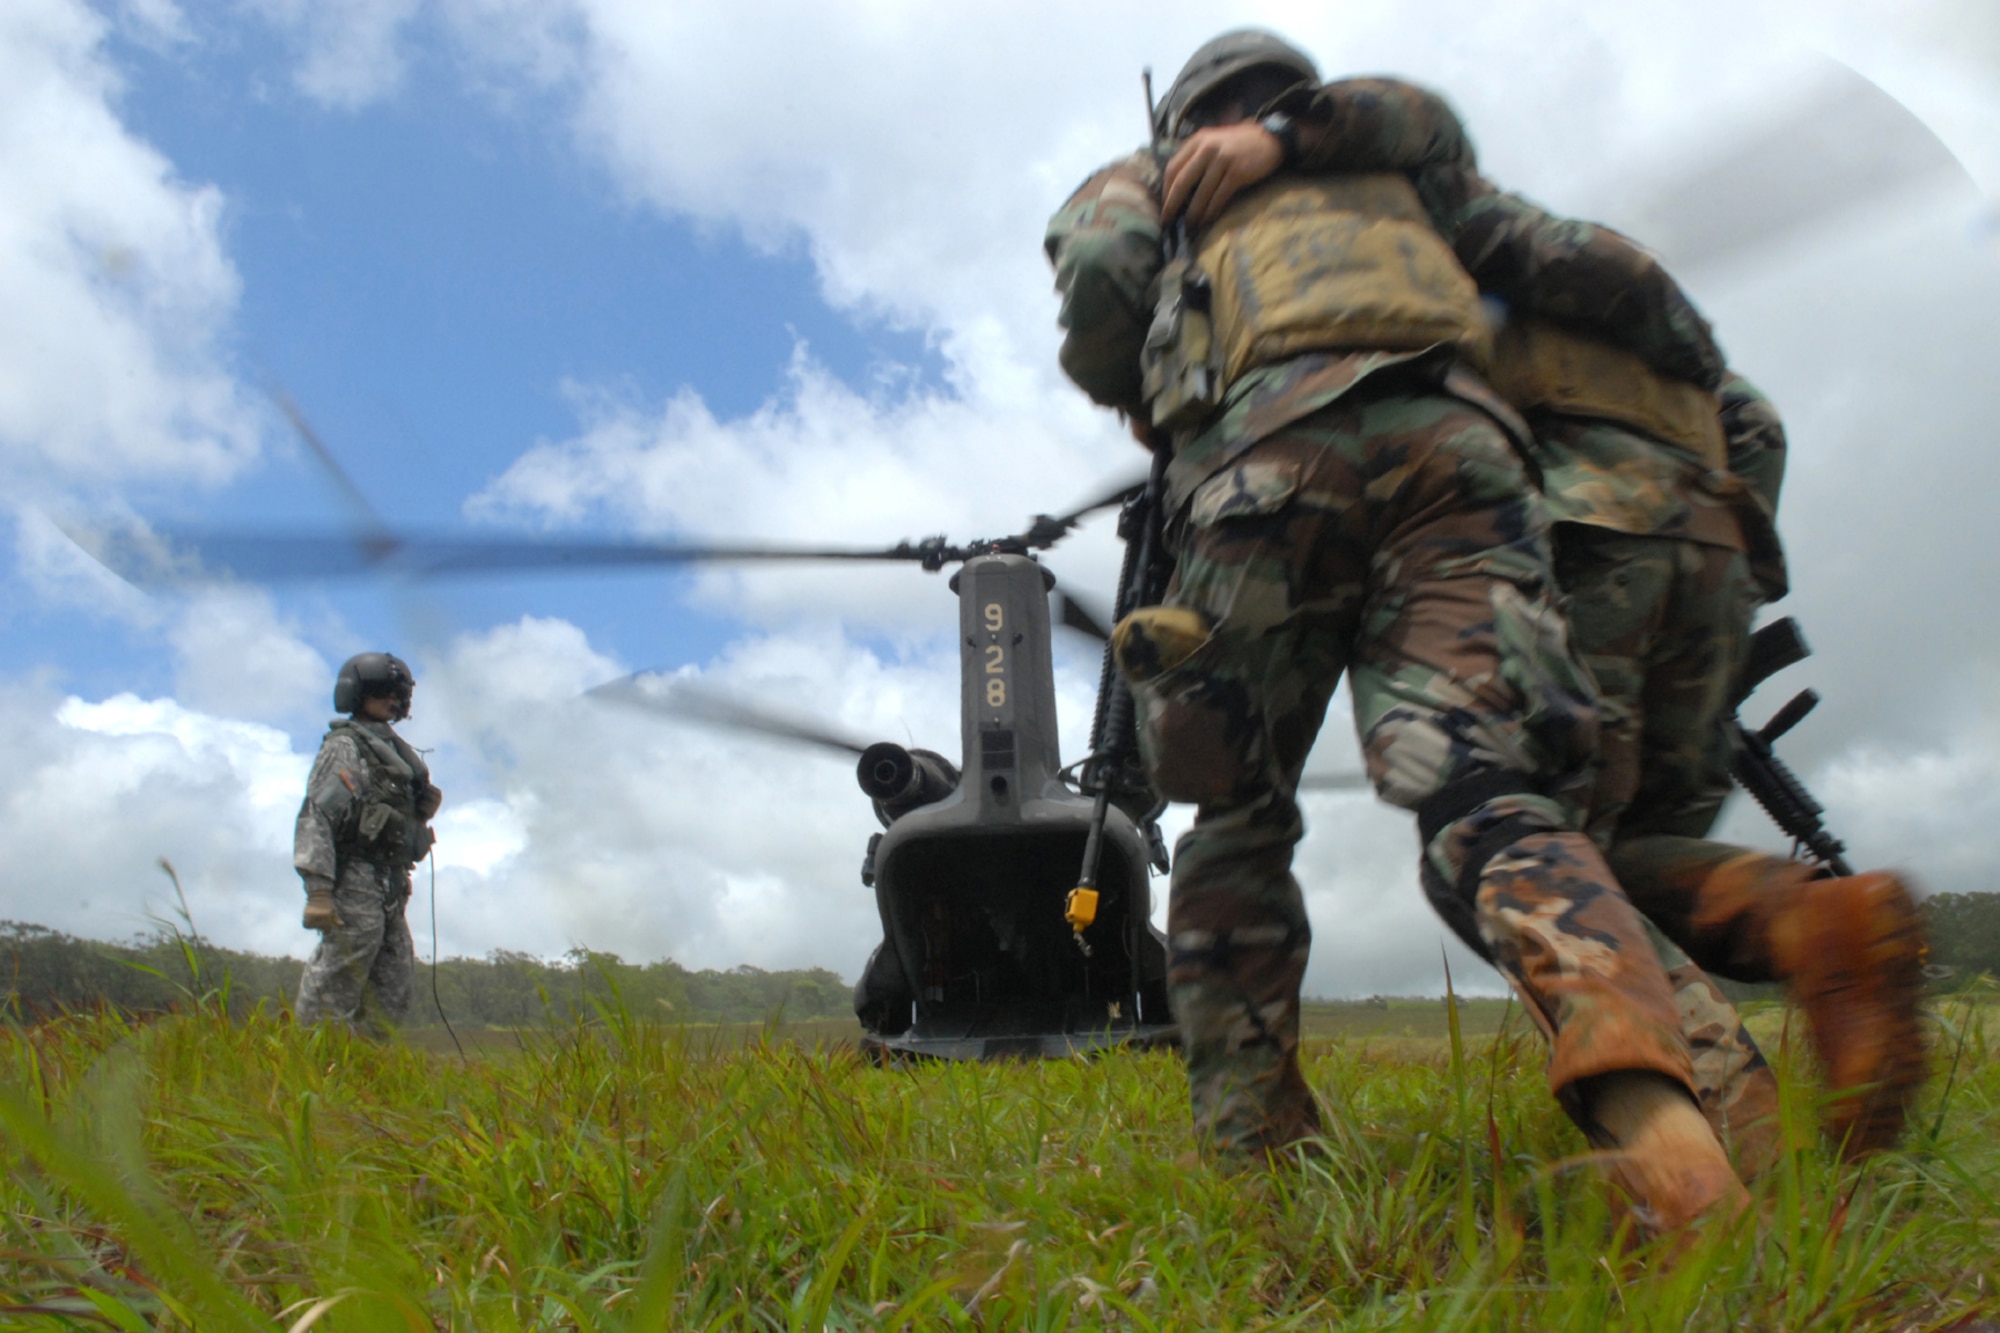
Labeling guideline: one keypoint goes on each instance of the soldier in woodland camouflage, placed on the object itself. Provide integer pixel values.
(1663, 497)
(1355, 500)
(364, 823)
(1855, 970)
(1560, 272)
(1662, 619)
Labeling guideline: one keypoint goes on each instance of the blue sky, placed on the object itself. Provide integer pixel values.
(424, 276)
(773, 272)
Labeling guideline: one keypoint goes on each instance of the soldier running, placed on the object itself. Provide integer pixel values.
(1348, 495)
(1663, 498)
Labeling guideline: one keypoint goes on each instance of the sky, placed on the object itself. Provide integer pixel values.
(607, 268)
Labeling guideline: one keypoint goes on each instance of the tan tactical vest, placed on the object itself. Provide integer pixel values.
(1540, 366)
(1306, 265)
(387, 826)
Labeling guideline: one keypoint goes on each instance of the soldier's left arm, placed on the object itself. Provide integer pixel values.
(1572, 272)
(1575, 273)
(1105, 245)
(1376, 124)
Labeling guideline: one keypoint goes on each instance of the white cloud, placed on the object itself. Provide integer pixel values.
(653, 838)
(238, 657)
(351, 50)
(1935, 812)
(114, 286)
(59, 571)
(95, 793)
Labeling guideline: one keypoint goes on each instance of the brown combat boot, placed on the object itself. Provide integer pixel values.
(1669, 1162)
(1852, 953)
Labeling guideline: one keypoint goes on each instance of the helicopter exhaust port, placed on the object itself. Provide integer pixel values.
(900, 780)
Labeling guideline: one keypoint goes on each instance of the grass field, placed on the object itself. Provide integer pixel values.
(191, 1173)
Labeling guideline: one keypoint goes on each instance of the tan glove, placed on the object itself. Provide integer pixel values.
(320, 911)
(428, 801)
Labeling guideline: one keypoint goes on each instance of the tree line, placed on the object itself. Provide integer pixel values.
(1964, 931)
(45, 972)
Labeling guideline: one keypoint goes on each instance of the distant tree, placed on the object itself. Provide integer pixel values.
(1964, 931)
(43, 972)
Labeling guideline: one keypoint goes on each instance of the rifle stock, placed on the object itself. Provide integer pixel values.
(1756, 766)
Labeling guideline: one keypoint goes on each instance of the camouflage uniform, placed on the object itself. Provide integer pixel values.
(1654, 548)
(1370, 512)
(359, 831)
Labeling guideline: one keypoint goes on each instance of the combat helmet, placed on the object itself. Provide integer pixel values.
(366, 675)
(1221, 59)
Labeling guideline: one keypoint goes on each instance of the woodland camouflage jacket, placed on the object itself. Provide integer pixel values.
(1106, 245)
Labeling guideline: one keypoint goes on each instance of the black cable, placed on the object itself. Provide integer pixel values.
(437, 999)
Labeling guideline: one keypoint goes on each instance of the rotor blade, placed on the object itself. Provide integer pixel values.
(1048, 529)
(181, 555)
(367, 520)
(1847, 144)
(691, 702)
(1073, 613)
(1117, 495)
(1334, 782)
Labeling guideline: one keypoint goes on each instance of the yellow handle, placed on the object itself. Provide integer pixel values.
(1080, 908)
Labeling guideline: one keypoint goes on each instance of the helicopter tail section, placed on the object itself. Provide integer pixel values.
(974, 922)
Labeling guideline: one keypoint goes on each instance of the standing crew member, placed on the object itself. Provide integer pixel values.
(364, 823)
(1348, 495)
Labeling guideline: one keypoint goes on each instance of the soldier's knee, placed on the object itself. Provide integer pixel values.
(1199, 726)
(1470, 820)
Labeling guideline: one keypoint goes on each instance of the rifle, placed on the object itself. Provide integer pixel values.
(1114, 766)
(1757, 768)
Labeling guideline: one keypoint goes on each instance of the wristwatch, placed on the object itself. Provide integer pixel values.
(1286, 131)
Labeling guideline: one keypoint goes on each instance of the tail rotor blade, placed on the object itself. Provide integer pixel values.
(1049, 529)
(1077, 616)
(689, 701)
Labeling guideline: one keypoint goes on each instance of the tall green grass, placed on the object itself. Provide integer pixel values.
(198, 1172)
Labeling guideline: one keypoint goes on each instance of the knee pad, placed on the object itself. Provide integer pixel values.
(1452, 804)
(1454, 909)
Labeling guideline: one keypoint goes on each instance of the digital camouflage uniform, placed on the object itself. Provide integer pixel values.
(359, 829)
(1370, 512)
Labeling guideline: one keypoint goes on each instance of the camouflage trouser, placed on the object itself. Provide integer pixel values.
(1663, 625)
(1394, 536)
(364, 971)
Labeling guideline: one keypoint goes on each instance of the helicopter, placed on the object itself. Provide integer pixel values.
(994, 945)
